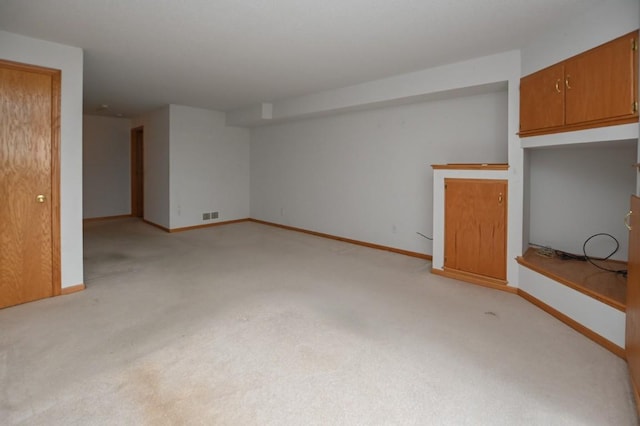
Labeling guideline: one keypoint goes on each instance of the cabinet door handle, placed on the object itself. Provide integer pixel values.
(566, 81)
(558, 85)
(626, 220)
(500, 198)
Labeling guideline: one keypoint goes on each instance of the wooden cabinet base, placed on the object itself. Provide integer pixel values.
(474, 279)
(581, 126)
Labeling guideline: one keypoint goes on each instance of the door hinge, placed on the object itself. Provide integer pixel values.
(634, 44)
(445, 186)
(634, 106)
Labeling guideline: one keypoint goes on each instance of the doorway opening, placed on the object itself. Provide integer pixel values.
(137, 172)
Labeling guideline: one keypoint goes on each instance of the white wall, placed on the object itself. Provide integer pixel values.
(599, 25)
(366, 175)
(580, 191)
(209, 167)
(106, 166)
(18, 48)
(156, 165)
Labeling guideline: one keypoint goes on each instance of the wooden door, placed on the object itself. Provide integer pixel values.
(29, 183)
(601, 83)
(475, 226)
(632, 344)
(137, 172)
(542, 99)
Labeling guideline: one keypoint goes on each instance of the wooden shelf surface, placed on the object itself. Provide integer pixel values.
(607, 287)
(471, 166)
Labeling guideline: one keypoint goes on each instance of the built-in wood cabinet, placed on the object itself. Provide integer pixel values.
(593, 89)
(475, 219)
(632, 341)
(542, 99)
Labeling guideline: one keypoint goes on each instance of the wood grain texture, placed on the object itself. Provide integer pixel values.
(347, 240)
(542, 99)
(137, 172)
(597, 88)
(470, 166)
(605, 343)
(103, 218)
(615, 121)
(29, 166)
(474, 279)
(600, 82)
(72, 289)
(207, 225)
(632, 338)
(603, 286)
(148, 222)
(476, 226)
(56, 97)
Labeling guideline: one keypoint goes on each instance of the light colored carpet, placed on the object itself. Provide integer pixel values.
(247, 324)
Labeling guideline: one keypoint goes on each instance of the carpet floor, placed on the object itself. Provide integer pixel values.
(246, 324)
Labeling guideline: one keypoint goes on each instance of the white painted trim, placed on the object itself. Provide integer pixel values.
(598, 135)
(599, 317)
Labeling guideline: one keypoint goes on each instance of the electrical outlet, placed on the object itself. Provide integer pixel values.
(206, 216)
(214, 215)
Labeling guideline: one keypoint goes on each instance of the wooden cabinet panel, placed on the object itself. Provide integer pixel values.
(542, 99)
(632, 344)
(600, 83)
(593, 89)
(475, 226)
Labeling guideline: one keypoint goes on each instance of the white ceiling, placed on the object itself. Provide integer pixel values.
(226, 54)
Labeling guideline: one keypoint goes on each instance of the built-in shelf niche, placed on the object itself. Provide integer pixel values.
(579, 184)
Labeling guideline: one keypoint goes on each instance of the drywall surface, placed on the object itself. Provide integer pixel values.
(156, 165)
(598, 317)
(601, 24)
(367, 175)
(106, 167)
(209, 165)
(17, 48)
(576, 192)
(467, 78)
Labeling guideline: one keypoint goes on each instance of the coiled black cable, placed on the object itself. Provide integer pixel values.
(622, 272)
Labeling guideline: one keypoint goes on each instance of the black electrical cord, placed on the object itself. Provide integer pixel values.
(622, 272)
(549, 252)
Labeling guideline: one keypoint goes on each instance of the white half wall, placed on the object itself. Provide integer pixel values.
(156, 165)
(209, 165)
(68, 59)
(106, 166)
(600, 318)
(576, 192)
(366, 175)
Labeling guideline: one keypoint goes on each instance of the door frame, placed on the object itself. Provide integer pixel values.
(56, 96)
(137, 176)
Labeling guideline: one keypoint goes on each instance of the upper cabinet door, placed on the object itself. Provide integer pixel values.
(600, 83)
(542, 99)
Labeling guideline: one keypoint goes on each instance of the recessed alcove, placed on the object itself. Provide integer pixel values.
(572, 193)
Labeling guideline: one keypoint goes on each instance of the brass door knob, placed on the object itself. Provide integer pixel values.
(40, 198)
